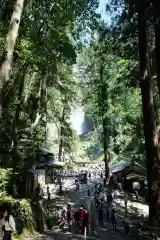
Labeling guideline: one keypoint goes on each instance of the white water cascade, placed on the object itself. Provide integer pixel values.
(77, 119)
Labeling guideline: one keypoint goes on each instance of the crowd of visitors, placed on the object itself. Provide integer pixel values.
(79, 219)
(74, 219)
(104, 210)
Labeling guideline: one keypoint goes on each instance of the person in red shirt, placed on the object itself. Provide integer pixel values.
(82, 211)
(82, 217)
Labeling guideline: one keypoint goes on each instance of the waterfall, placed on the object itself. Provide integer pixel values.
(77, 119)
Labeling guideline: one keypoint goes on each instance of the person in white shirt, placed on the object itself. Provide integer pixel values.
(59, 213)
(136, 187)
(8, 225)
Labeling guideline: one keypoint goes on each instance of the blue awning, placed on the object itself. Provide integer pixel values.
(117, 167)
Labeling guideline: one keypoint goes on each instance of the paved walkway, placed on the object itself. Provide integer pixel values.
(80, 197)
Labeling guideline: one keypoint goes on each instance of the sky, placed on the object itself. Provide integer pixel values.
(102, 11)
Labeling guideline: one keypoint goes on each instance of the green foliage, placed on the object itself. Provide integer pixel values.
(42, 82)
(5, 175)
(51, 221)
(124, 102)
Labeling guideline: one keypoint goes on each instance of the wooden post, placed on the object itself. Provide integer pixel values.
(90, 220)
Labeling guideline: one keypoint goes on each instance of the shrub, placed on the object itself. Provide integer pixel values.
(50, 221)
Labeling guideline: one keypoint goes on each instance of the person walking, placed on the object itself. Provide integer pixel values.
(109, 198)
(96, 201)
(77, 186)
(113, 219)
(69, 216)
(100, 213)
(48, 193)
(120, 186)
(96, 187)
(108, 213)
(82, 218)
(126, 225)
(63, 218)
(136, 187)
(88, 193)
(77, 217)
(104, 182)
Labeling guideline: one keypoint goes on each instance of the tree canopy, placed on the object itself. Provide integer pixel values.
(58, 54)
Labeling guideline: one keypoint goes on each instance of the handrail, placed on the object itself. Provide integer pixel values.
(151, 227)
(145, 236)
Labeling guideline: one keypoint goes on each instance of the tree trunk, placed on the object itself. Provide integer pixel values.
(61, 135)
(156, 5)
(104, 108)
(7, 57)
(20, 86)
(149, 119)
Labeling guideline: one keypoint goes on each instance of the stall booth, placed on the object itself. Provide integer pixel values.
(127, 172)
(44, 172)
(120, 170)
